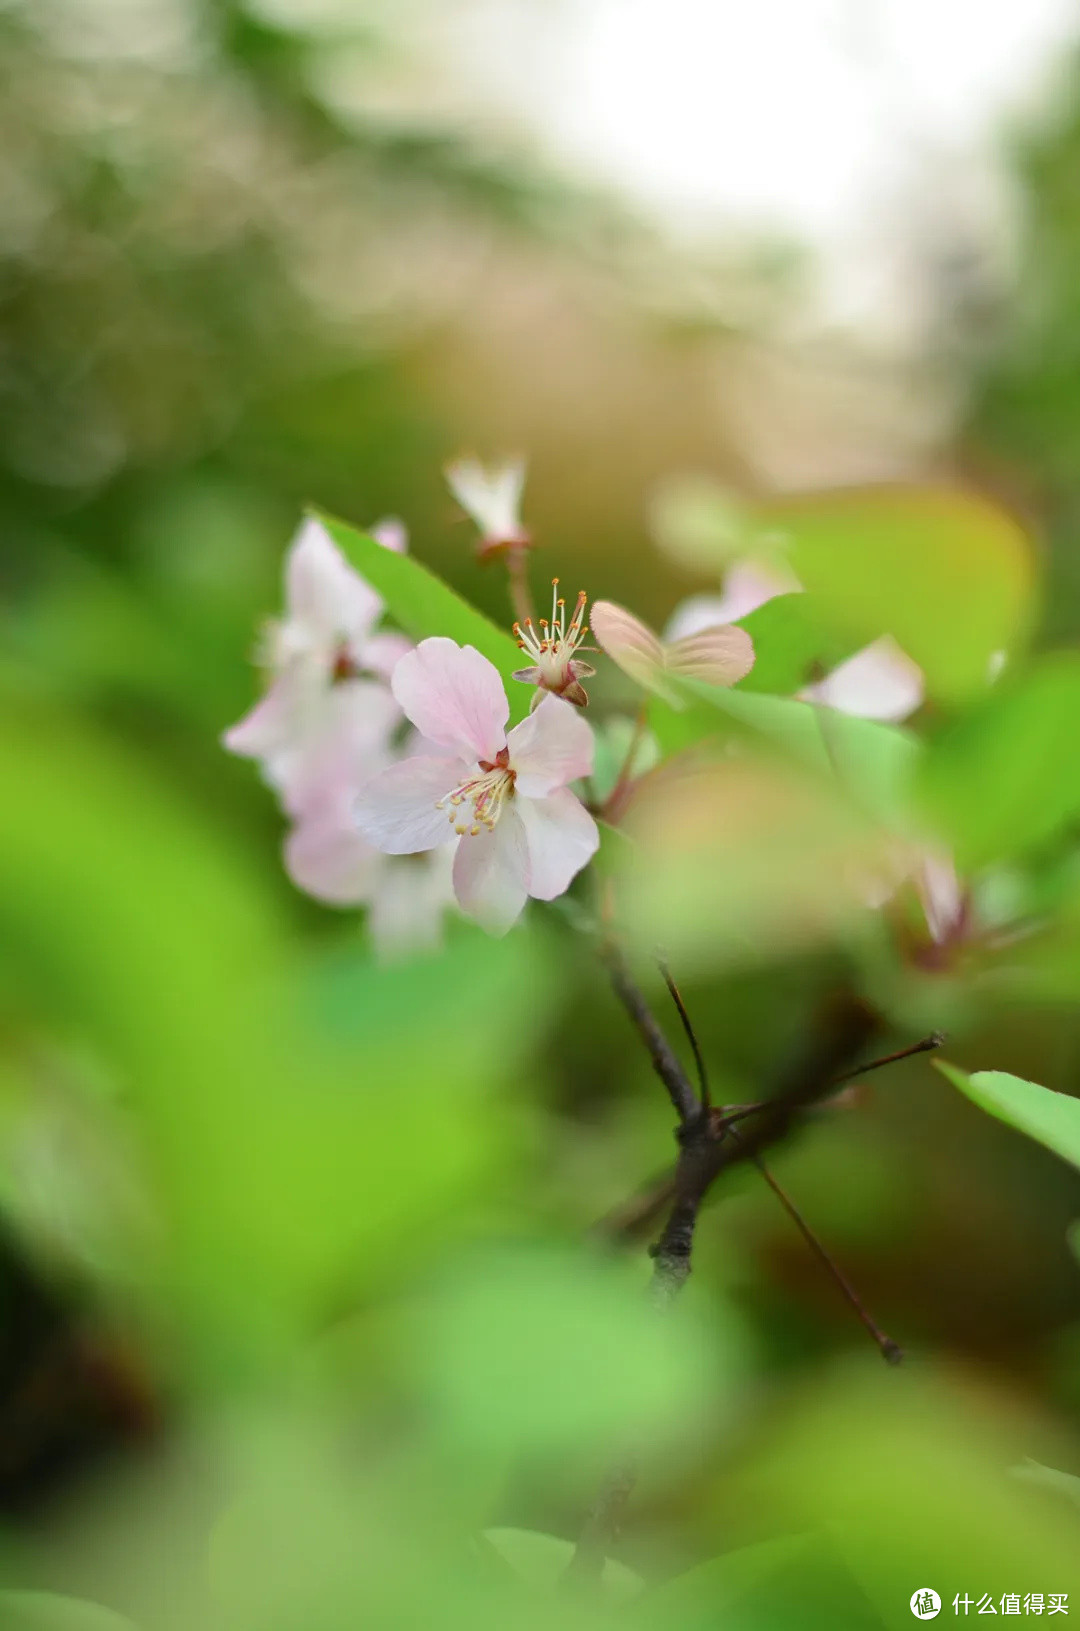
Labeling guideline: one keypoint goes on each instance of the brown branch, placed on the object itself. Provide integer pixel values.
(705, 1152)
(664, 1060)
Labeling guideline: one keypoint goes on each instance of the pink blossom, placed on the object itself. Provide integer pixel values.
(720, 655)
(520, 831)
(878, 682)
(492, 498)
(555, 668)
(326, 642)
(328, 858)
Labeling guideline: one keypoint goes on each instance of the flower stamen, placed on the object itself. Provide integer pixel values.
(488, 794)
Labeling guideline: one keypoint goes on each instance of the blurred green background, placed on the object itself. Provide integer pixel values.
(293, 1300)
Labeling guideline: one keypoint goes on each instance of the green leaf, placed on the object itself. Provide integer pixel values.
(1061, 1483)
(874, 762)
(946, 573)
(1051, 1118)
(542, 1560)
(792, 639)
(44, 1611)
(1006, 775)
(424, 605)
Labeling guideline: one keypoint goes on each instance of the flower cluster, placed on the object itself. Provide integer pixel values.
(327, 722)
(404, 788)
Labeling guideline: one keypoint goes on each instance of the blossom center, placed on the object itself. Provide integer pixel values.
(552, 646)
(488, 793)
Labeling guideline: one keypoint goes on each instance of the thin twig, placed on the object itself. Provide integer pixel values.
(936, 1039)
(613, 804)
(691, 1035)
(664, 1061)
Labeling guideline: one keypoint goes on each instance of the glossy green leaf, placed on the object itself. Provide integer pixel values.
(1006, 775)
(424, 605)
(541, 1561)
(949, 575)
(1051, 1118)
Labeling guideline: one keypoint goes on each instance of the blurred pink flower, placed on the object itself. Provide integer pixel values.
(552, 648)
(491, 496)
(719, 654)
(879, 682)
(520, 830)
(325, 644)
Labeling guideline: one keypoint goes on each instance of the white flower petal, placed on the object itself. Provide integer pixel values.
(492, 497)
(323, 594)
(553, 746)
(326, 857)
(391, 532)
(409, 902)
(340, 751)
(396, 810)
(748, 584)
(454, 696)
(562, 838)
(879, 682)
(381, 653)
(491, 873)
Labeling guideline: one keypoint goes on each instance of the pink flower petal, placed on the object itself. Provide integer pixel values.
(491, 873)
(326, 857)
(269, 725)
(627, 642)
(381, 653)
(322, 591)
(396, 810)
(879, 682)
(392, 533)
(562, 838)
(409, 902)
(454, 696)
(720, 656)
(551, 747)
(341, 750)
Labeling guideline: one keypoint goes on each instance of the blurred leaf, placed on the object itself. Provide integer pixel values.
(751, 856)
(43, 1611)
(1006, 775)
(873, 762)
(266, 1096)
(532, 1351)
(1051, 1118)
(907, 1473)
(1073, 1237)
(542, 1560)
(426, 606)
(947, 574)
(773, 1585)
(792, 643)
(1060, 1483)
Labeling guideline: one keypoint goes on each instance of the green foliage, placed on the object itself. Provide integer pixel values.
(947, 574)
(424, 605)
(44, 1611)
(1005, 775)
(1052, 1118)
(541, 1561)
